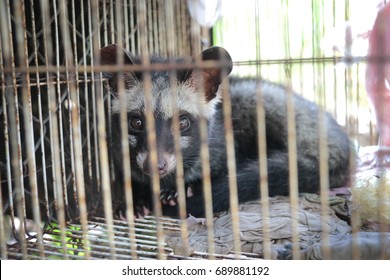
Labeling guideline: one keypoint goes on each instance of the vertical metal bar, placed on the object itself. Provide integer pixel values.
(113, 37)
(55, 121)
(163, 43)
(72, 61)
(8, 156)
(262, 147)
(105, 28)
(48, 80)
(108, 96)
(101, 126)
(291, 146)
(67, 134)
(381, 27)
(195, 37)
(71, 87)
(126, 24)
(11, 95)
(185, 25)
(193, 27)
(231, 163)
(125, 140)
(3, 221)
(95, 85)
(356, 254)
(324, 181)
(151, 132)
(132, 28)
(149, 27)
(3, 244)
(319, 89)
(170, 38)
(61, 196)
(6, 60)
(293, 179)
(358, 104)
(86, 91)
(204, 148)
(206, 175)
(180, 42)
(335, 92)
(382, 210)
(27, 117)
(40, 110)
(231, 159)
(126, 165)
(324, 163)
(154, 21)
(347, 73)
(112, 22)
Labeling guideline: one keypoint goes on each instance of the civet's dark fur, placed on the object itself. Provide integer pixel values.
(243, 94)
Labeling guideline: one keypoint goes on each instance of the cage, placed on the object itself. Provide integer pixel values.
(67, 67)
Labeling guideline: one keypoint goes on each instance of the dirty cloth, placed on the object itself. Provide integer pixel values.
(309, 224)
(371, 246)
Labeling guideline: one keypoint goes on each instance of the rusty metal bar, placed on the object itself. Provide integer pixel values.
(148, 27)
(126, 24)
(262, 148)
(86, 94)
(133, 47)
(47, 58)
(293, 168)
(105, 24)
(28, 124)
(155, 19)
(157, 66)
(180, 184)
(323, 171)
(151, 132)
(3, 228)
(76, 128)
(161, 28)
(57, 138)
(95, 85)
(204, 148)
(40, 109)
(231, 163)
(130, 215)
(111, 22)
(15, 155)
(6, 135)
(101, 128)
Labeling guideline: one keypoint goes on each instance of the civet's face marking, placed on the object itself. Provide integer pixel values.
(193, 94)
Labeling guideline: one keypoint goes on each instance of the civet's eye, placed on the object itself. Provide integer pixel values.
(184, 123)
(136, 124)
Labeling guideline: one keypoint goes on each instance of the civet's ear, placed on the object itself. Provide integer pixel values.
(109, 56)
(212, 77)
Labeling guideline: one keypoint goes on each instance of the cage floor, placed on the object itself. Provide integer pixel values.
(100, 247)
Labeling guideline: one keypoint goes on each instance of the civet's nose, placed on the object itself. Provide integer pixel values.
(162, 166)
